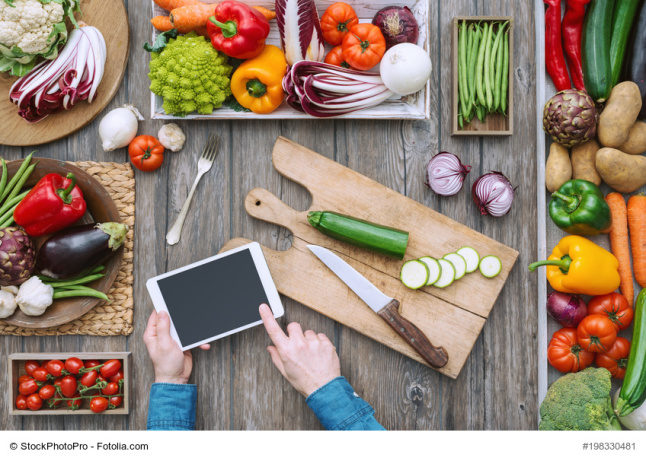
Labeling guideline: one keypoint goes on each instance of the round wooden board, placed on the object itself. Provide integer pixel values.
(100, 208)
(110, 17)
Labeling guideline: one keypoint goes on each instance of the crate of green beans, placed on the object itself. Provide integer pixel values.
(482, 63)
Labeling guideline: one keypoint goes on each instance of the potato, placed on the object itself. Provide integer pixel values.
(558, 168)
(620, 114)
(623, 172)
(636, 141)
(583, 159)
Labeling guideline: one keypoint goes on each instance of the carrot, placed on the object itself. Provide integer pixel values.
(637, 225)
(170, 5)
(163, 24)
(619, 243)
(268, 14)
(191, 16)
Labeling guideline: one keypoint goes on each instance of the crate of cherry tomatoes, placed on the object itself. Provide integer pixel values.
(80, 383)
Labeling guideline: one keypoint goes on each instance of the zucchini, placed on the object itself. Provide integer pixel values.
(448, 274)
(414, 274)
(597, 34)
(434, 269)
(458, 262)
(471, 256)
(633, 390)
(364, 234)
(635, 62)
(490, 266)
(623, 18)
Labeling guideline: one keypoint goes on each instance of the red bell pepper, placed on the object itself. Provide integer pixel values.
(554, 58)
(572, 30)
(53, 204)
(237, 30)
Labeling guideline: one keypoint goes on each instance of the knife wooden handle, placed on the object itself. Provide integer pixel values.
(435, 356)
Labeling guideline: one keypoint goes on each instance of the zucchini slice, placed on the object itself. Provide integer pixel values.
(434, 269)
(448, 274)
(414, 274)
(490, 266)
(472, 258)
(459, 263)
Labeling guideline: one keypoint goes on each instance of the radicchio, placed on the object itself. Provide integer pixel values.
(300, 30)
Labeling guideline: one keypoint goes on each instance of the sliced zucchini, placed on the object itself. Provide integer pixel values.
(472, 258)
(448, 274)
(490, 266)
(414, 274)
(459, 263)
(434, 269)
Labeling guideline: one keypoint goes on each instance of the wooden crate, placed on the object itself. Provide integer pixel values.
(494, 124)
(415, 106)
(16, 368)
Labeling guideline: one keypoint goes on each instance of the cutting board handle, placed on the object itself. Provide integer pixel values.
(262, 204)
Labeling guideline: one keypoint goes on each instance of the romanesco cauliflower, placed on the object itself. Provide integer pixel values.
(190, 75)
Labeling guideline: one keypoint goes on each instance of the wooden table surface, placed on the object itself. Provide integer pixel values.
(238, 386)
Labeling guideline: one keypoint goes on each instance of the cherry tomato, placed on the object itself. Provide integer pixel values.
(99, 404)
(614, 306)
(566, 354)
(91, 363)
(28, 387)
(53, 403)
(89, 378)
(73, 365)
(101, 378)
(110, 389)
(116, 378)
(146, 153)
(30, 366)
(110, 368)
(115, 401)
(58, 381)
(21, 402)
(74, 404)
(68, 386)
(40, 374)
(596, 333)
(23, 378)
(615, 359)
(47, 392)
(34, 402)
(55, 368)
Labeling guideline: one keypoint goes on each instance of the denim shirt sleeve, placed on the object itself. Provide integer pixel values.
(339, 408)
(171, 407)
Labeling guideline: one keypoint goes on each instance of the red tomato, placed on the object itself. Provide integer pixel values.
(34, 402)
(21, 402)
(364, 46)
(47, 392)
(73, 365)
(89, 378)
(615, 359)
(337, 21)
(115, 401)
(615, 307)
(146, 153)
(57, 382)
(40, 374)
(23, 378)
(565, 353)
(335, 57)
(110, 368)
(110, 389)
(596, 333)
(55, 368)
(68, 386)
(30, 366)
(76, 403)
(91, 363)
(99, 404)
(28, 387)
(100, 378)
(116, 378)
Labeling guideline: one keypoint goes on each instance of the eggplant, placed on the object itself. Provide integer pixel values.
(635, 64)
(77, 250)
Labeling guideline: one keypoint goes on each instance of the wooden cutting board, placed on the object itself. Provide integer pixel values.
(451, 317)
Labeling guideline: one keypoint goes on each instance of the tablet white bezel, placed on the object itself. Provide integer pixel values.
(265, 278)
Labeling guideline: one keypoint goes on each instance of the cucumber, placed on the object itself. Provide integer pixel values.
(623, 18)
(458, 262)
(490, 266)
(633, 389)
(448, 274)
(434, 269)
(471, 256)
(597, 35)
(364, 234)
(414, 274)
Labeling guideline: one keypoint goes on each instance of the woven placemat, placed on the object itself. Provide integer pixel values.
(112, 317)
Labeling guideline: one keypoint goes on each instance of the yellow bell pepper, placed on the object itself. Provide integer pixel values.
(580, 266)
(258, 83)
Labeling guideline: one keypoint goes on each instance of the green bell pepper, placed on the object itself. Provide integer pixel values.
(580, 208)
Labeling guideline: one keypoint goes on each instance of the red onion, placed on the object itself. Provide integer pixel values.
(445, 174)
(566, 309)
(493, 193)
(397, 24)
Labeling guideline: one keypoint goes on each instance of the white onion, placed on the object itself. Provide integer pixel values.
(493, 193)
(118, 127)
(445, 174)
(405, 68)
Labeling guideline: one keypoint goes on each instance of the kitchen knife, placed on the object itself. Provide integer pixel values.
(387, 308)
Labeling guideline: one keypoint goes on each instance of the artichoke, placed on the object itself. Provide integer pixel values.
(17, 256)
(570, 118)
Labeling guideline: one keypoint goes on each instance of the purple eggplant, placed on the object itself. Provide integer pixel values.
(77, 250)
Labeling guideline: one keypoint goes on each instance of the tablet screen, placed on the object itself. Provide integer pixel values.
(214, 298)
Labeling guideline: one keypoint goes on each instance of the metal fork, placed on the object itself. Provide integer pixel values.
(205, 163)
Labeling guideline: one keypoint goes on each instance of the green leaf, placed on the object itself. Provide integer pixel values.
(232, 103)
(10, 3)
(161, 41)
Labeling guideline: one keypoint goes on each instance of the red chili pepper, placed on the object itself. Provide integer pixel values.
(554, 58)
(237, 30)
(53, 204)
(572, 29)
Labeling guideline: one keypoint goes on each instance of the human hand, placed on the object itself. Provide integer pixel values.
(170, 363)
(306, 360)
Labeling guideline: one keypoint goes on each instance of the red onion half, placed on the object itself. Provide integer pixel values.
(493, 193)
(445, 174)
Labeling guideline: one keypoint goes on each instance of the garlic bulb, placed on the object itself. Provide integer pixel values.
(171, 137)
(7, 301)
(34, 297)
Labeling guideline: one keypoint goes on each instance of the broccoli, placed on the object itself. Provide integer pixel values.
(190, 75)
(579, 402)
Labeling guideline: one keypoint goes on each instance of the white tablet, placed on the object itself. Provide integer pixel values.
(216, 297)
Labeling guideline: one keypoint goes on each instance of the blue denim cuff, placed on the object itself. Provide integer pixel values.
(172, 407)
(338, 407)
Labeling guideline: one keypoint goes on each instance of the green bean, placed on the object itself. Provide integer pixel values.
(77, 292)
(3, 181)
(81, 281)
(73, 280)
(97, 269)
(11, 203)
(499, 61)
(462, 67)
(505, 75)
(480, 112)
(8, 215)
(487, 65)
(16, 177)
(479, 67)
(21, 182)
(496, 54)
(470, 39)
(461, 121)
(472, 67)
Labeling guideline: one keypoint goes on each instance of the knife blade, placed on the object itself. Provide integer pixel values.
(387, 308)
